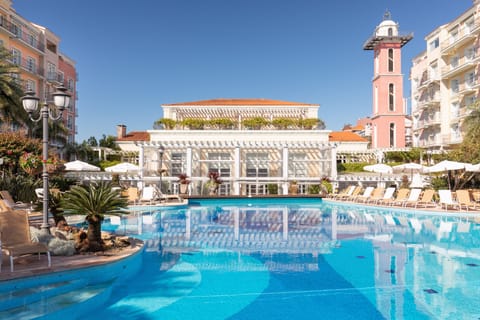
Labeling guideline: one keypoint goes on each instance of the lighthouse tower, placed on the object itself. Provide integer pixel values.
(389, 110)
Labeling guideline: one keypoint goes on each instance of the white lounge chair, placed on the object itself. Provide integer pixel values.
(446, 199)
(387, 196)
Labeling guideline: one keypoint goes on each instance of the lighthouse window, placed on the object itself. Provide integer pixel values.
(391, 96)
(390, 60)
(392, 134)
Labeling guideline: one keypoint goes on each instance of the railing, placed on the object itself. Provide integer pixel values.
(464, 33)
(25, 37)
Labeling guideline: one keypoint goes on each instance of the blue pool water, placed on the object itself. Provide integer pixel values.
(298, 259)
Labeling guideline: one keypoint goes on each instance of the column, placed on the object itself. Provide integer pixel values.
(141, 162)
(236, 172)
(285, 170)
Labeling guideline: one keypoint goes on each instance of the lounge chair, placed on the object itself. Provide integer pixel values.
(15, 237)
(446, 199)
(148, 194)
(377, 194)
(8, 200)
(365, 195)
(401, 196)
(463, 199)
(426, 199)
(345, 195)
(387, 196)
(356, 192)
(166, 197)
(132, 195)
(413, 197)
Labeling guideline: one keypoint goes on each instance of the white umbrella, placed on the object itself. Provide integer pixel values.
(378, 168)
(411, 167)
(123, 167)
(447, 165)
(78, 165)
(473, 167)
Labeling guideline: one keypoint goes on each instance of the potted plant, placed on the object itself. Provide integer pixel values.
(213, 183)
(184, 182)
(94, 202)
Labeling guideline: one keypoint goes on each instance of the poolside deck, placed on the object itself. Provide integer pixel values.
(31, 266)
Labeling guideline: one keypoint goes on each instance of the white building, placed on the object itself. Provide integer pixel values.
(263, 157)
(444, 81)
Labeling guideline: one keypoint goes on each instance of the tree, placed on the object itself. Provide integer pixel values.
(11, 109)
(195, 124)
(94, 202)
(108, 142)
(165, 123)
(256, 123)
(92, 141)
(283, 123)
(222, 123)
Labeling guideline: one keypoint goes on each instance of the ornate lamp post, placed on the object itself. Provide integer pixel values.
(161, 151)
(61, 100)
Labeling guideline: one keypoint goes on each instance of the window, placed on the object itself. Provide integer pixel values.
(454, 35)
(390, 60)
(470, 79)
(434, 44)
(30, 85)
(390, 32)
(470, 100)
(455, 110)
(392, 134)
(60, 76)
(70, 84)
(454, 62)
(16, 56)
(296, 165)
(31, 64)
(470, 53)
(391, 97)
(433, 71)
(454, 85)
(51, 72)
(257, 164)
(177, 164)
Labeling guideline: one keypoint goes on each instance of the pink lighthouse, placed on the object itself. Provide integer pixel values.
(389, 110)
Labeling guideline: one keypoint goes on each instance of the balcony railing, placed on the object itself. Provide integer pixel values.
(463, 64)
(465, 33)
(25, 37)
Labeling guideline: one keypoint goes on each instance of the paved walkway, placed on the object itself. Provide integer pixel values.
(31, 266)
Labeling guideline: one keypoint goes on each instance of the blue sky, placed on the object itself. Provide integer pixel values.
(133, 56)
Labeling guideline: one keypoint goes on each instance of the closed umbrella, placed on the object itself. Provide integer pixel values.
(78, 165)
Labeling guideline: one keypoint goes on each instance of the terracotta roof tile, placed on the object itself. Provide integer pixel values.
(240, 102)
(345, 136)
(136, 136)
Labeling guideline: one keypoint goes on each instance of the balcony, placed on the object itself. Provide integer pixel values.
(428, 80)
(465, 34)
(463, 65)
(19, 34)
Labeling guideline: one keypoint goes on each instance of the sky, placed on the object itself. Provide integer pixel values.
(134, 56)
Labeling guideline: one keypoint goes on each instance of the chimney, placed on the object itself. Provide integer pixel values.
(121, 131)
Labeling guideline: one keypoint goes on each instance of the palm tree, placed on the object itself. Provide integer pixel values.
(94, 201)
(11, 109)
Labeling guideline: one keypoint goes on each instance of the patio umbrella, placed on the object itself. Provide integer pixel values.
(379, 168)
(447, 165)
(123, 167)
(78, 165)
(411, 167)
(473, 167)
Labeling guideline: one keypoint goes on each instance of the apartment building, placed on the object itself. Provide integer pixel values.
(444, 81)
(43, 67)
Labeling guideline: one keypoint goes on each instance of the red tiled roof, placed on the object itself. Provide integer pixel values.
(345, 136)
(136, 136)
(358, 128)
(241, 102)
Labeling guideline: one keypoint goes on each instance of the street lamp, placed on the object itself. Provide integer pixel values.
(61, 100)
(161, 151)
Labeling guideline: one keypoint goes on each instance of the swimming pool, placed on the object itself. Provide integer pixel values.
(298, 259)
